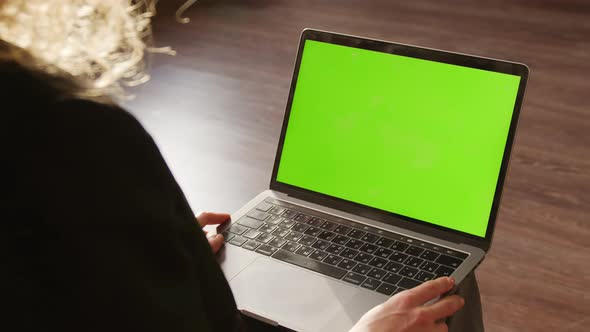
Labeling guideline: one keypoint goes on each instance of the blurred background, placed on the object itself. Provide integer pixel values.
(215, 110)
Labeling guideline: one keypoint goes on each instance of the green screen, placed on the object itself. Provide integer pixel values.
(418, 138)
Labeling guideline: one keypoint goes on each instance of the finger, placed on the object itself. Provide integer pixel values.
(215, 241)
(444, 308)
(211, 218)
(428, 291)
(441, 327)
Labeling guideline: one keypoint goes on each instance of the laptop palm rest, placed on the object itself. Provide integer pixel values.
(299, 299)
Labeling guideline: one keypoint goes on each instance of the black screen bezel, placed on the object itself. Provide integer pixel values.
(420, 53)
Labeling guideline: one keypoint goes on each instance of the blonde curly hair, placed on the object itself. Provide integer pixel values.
(97, 44)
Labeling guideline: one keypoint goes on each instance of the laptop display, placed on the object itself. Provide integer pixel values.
(414, 137)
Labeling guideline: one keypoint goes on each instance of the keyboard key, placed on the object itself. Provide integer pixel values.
(326, 235)
(264, 206)
(442, 271)
(413, 261)
(354, 278)
(386, 289)
(321, 244)
(281, 232)
(371, 284)
(328, 226)
(302, 217)
(277, 242)
(340, 239)
(252, 234)
(397, 237)
(438, 249)
(356, 234)
(414, 251)
(410, 241)
(294, 236)
(265, 238)
(409, 272)
(317, 222)
(304, 251)
(378, 262)
(313, 231)
(398, 257)
(418, 243)
(333, 259)
(424, 276)
(228, 236)
(318, 255)
(349, 253)
(370, 237)
(310, 264)
(363, 258)
(251, 245)
(384, 242)
(274, 219)
(392, 278)
(252, 223)
(355, 244)
(238, 240)
(393, 267)
(342, 230)
(368, 248)
(307, 240)
(291, 246)
(256, 214)
(361, 269)
(429, 255)
(399, 246)
(289, 214)
(335, 249)
(449, 261)
(382, 252)
(408, 283)
(267, 250)
(288, 223)
(277, 210)
(429, 267)
(266, 228)
(300, 227)
(238, 229)
(347, 264)
(376, 273)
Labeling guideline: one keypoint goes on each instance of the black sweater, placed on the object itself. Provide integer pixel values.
(97, 235)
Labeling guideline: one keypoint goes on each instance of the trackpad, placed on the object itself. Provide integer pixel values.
(292, 297)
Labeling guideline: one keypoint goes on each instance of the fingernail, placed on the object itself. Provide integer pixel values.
(451, 281)
(462, 300)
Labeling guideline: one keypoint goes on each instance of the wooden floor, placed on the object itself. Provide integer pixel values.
(215, 111)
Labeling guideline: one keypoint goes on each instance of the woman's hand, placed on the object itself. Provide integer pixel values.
(406, 312)
(213, 218)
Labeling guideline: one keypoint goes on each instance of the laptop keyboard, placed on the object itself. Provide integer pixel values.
(368, 257)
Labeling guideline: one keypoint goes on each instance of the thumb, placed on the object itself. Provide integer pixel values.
(215, 242)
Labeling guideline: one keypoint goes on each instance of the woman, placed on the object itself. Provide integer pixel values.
(99, 236)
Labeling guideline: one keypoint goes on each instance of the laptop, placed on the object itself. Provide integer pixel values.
(388, 173)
